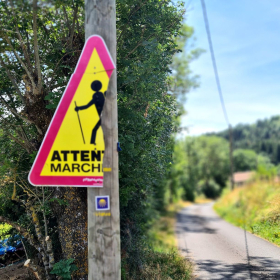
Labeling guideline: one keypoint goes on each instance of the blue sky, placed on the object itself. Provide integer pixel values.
(246, 40)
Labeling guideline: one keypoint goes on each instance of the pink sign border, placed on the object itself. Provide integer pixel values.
(35, 178)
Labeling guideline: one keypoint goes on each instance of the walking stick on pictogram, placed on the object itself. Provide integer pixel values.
(80, 124)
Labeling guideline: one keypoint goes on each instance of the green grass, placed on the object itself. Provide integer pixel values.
(255, 207)
(164, 261)
(166, 266)
(162, 233)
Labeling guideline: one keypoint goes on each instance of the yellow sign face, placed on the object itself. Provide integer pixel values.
(73, 149)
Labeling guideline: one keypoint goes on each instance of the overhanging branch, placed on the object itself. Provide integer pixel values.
(36, 47)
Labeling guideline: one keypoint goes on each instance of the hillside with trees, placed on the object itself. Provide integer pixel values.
(263, 137)
(202, 165)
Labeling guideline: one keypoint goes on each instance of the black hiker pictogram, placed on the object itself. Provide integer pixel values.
(98, 99)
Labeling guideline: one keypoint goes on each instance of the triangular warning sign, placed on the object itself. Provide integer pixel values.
(72, 151)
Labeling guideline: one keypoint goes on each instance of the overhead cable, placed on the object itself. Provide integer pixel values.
(214, 62)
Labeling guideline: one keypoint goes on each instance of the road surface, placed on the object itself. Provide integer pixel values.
(221, 250)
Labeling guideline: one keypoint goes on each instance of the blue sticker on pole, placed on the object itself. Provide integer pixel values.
(102, 203)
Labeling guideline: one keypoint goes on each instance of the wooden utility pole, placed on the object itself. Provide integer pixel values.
(104, 259)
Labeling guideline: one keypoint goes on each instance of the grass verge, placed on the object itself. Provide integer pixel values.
(166, 266)
(164, 262)
(256, 207)
(162, 233)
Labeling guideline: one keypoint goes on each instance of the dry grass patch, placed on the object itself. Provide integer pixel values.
(163, 231)
(256, 207)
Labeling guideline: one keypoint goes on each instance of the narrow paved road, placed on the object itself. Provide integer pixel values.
(221, 250)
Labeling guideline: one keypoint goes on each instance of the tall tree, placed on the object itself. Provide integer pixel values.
(39, 47)
(245, 160)
(201, 165)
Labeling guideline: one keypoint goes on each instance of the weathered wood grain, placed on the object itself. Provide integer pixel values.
(104, 232)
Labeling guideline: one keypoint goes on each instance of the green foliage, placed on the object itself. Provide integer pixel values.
(263, 137)
(33, 156)
(163, 260)
(64, 269)
(4, 231)
(209, 188)
(201, 165)
(255, 207)
(182, 80)
(213, 159)
(245, 160)
(189, 191)
(23, 114)
(265, 169)
(149, 38)
(164, 266)
(148, 114)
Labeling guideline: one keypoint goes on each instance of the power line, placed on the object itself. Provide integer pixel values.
(220, 92)
(224, 110)
(214, 62)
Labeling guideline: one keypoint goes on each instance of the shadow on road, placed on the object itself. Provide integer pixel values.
(199, 225)
(193, 223)
(220, 270)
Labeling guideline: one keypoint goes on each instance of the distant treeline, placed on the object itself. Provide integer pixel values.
(201, 165)
(263, 137)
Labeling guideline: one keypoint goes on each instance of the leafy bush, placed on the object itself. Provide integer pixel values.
(4, 231)
(163, 266)
(245, 160)
(64, 269)
(209, 188)
(201, 165)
